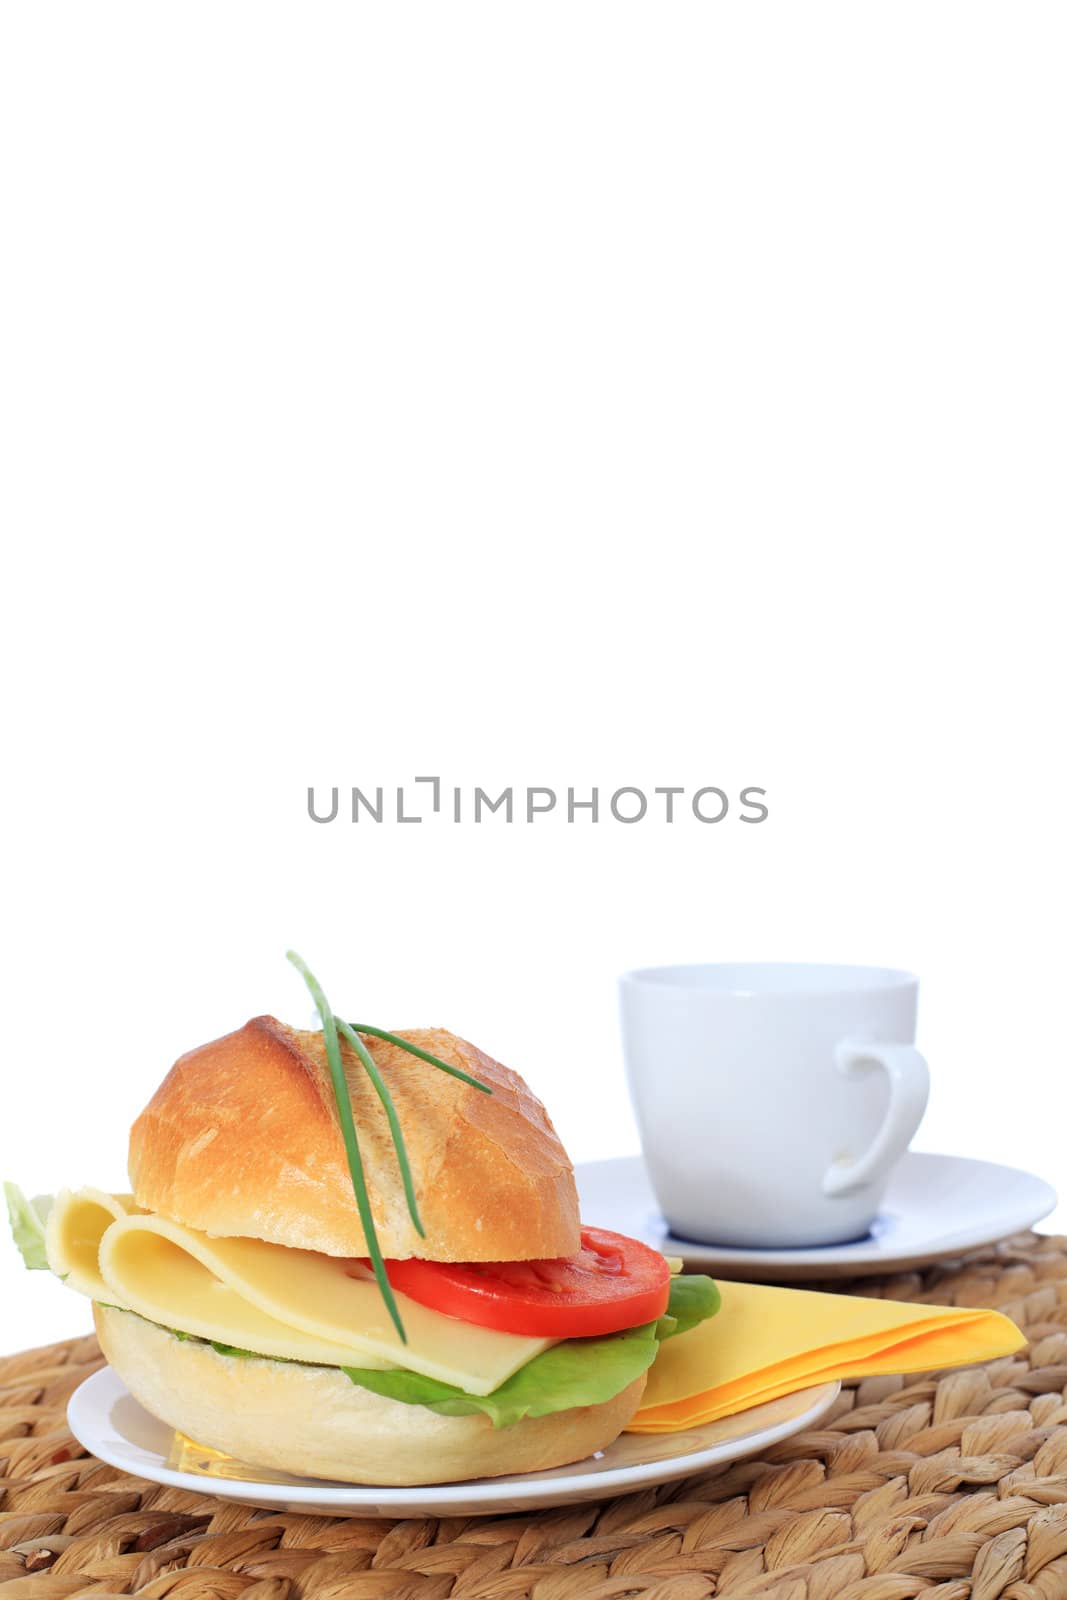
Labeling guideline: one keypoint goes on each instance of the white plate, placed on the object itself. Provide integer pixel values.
(107, 1420)
(935, 1207)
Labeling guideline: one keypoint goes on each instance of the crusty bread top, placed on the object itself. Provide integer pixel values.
(242, 1138)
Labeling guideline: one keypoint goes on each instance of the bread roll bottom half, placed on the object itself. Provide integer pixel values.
(315, 1422)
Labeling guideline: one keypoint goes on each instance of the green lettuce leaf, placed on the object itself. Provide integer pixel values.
(216, 1345)
(694, 1298)
(578, 1372)
(27, 1219)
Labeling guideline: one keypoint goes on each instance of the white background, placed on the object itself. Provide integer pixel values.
(564, 394)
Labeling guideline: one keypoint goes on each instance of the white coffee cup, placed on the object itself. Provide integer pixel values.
(773, 1099)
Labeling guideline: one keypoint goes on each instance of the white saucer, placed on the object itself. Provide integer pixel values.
(935, 1207)
(107, 1420)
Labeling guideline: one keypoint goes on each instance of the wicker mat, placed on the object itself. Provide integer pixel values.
(950, 1487)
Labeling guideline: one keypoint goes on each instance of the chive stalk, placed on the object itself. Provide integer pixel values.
(348, 1133)
(423, 1055)
(394, 1122)
(331, 1026)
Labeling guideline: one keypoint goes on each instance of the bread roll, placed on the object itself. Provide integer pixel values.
(242, 1138)
(314, 1422)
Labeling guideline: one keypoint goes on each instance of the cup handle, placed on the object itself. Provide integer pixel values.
(909, 1090)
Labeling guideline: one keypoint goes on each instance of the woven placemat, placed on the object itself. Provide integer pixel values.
(952, 1486)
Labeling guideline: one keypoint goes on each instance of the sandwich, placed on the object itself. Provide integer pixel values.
(357, 1255)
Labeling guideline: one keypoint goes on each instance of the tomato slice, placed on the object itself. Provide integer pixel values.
(612, 1283)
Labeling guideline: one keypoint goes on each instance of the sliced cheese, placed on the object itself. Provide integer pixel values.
(262, 1297)
(158, 1271)
(76, 1224)
(257, 1291)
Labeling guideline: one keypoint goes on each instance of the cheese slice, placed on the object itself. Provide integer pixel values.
(158, 1271)
(76, 1224)
(184, 1279)
(264, 1297)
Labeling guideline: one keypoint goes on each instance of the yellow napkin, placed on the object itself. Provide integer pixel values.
(767, 1342)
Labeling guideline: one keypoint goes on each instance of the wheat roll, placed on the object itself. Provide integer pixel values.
(315, 1422)
(242, 1139)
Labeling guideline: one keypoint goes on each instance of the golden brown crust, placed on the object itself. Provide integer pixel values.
(315, 1421)
(242, 1138)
